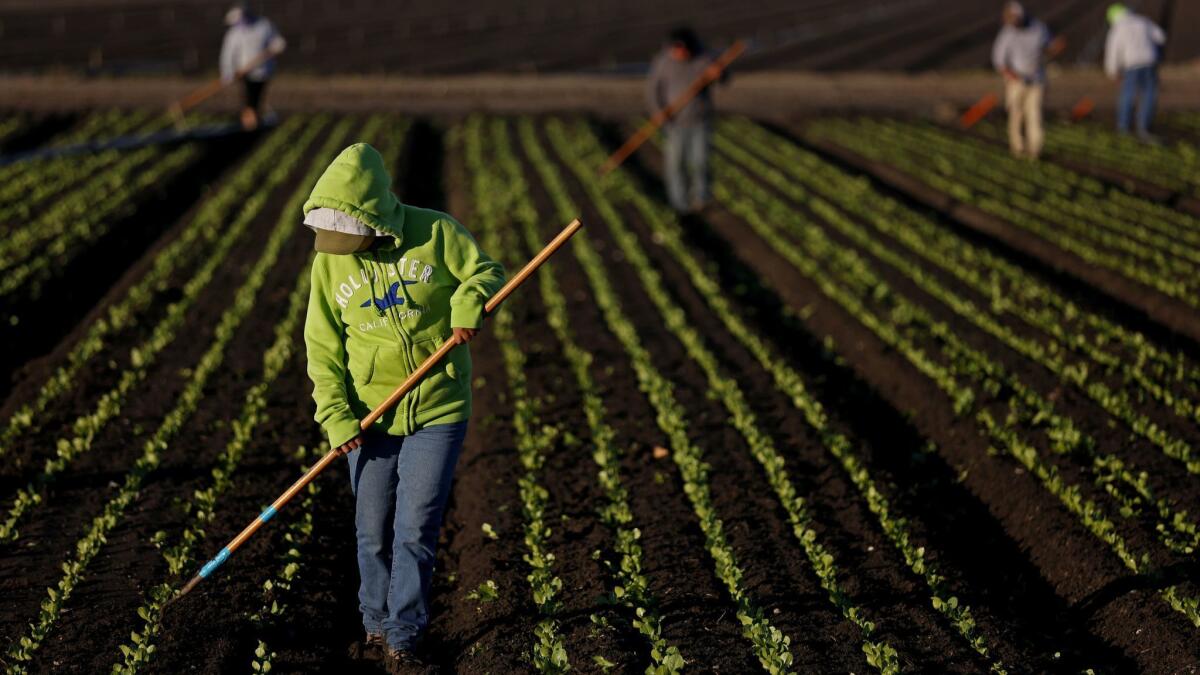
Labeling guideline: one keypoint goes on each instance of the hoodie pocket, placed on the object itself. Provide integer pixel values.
(452, 365)
(362, 365)
(458, 365)
(423, 349)
(444, 384)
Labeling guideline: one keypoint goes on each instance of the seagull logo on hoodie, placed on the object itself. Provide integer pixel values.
(390, 299)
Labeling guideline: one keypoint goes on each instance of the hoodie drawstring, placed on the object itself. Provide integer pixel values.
(371, 283)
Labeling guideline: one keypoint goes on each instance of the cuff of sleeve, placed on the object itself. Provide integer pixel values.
(467, 313)
(341, 430)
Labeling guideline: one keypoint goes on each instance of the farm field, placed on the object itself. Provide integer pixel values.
(895, 402)
(382, 36)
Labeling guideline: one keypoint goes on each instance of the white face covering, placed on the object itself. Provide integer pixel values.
(336, 221)
(339, 233)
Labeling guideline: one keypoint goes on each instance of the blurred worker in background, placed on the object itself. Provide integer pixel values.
(249, 51)
(673, 70)
(1132, 53)
(1020, 53)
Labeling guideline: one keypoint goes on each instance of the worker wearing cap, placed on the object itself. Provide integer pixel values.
(390, 284)
(247, 38)
(1131, 53)
(1019, 53)
(681, 62)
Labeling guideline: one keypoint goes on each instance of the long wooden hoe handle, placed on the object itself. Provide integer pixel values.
(405, 387)
(1082, 109)
(212, 88)
(979, 110)
(710, 75)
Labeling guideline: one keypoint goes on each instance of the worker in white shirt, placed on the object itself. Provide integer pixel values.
(1020, 53)
(1132, 53)
(249, 51)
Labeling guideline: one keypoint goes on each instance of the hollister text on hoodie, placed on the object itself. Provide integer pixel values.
(374, 316)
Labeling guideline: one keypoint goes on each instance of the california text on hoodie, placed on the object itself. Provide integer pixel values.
(374, 316)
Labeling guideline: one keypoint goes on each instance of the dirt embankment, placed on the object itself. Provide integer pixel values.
(777, 96)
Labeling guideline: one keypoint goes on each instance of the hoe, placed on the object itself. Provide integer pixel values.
(710, 75)
(176, 112)
(378, 412)
(214, 87)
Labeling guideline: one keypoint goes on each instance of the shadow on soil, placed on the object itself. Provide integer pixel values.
(37, 133)
(1179, 573)
(420, 178)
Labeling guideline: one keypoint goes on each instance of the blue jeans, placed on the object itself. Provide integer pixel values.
(401, 484)
(1137, 83)
(687, 158)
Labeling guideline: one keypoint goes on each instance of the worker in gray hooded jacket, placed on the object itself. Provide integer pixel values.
(687, 132)
(249, 39)
(1020, 53)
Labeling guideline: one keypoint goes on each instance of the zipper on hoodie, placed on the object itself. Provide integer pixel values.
(414, 398)
(407, 422)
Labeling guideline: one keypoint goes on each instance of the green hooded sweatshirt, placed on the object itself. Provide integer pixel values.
(374, 316)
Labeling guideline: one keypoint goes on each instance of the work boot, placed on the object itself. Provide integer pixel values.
(406, 662)
(371, 648)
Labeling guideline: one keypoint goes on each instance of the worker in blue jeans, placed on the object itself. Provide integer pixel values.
(1139, 88)
(687, 166)
(1132, 53)
(401, 484)
(391, 284)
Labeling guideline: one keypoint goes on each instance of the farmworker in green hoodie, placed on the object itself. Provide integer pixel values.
(391, 283)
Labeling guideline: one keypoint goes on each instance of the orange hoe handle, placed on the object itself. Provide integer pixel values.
(212, 88)
(978, 111)
(710, 75)
(381, 409)
(1082, 109)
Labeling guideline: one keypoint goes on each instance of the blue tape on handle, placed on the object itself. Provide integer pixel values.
(215, 563)
(267, 514)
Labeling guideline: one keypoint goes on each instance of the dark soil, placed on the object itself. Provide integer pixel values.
(1096, 604)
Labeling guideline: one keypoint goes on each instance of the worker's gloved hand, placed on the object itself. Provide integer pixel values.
(353, 444)
(465, 335)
